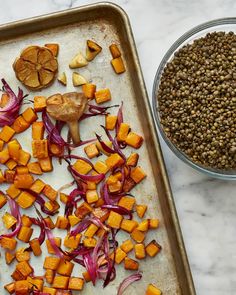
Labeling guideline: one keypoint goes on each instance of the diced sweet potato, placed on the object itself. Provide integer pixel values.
(52, 206)
(8, 243)
(25, 220)
(115, 52)
(114, 160)
(101, 167)
(35, 283)
(134, 140)
(21, 287)
(128, 225)
(46, 164)
(76, 284)
(111, 122)
(72, 241)
(29, 115)
(14, 149)
(49, 275)
(4, 156)
(24, 158)
(20, 124)
(115, 187)
(139, 250)
(34, 168)
(9, 257)
(86, 276)
(49, 192)
(123, 132)
(40, 148)
(23, 181)
(25, 200)
(50, 224)
(137, 174)
(100, 148)
(64, 198)
(17, 275)
(141, 210)
(9, 176)
(60, 282)
(100, 213)
(131, 264)
(114, 220)
(91, 230)
(73, 220)
(91, 150)
(11, 164)
(6, 133)
(22, 255)
(153, 248)
(143, 225)
(37, 130)
(91, 196)
(8, 220)
(153, 290)
(62, 222)
(83, 210)
(49, 246)
(3, 200)
(137, 235)
(35, 246)
(89, 90)
(2, 177)
(53, 47)
(120, 255)
(65, 268)
(50, 291)
(39, 103)
(24, 268)
(25, 234)
(90, 242)
(51, 262)
(127, 246)
(37, 186)
(118, 65)
(153, 223)
(132, 160)
(10, 288)
(102, 95)
(127, 202)
(82, 167)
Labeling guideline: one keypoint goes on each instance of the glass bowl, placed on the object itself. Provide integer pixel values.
(224, 24)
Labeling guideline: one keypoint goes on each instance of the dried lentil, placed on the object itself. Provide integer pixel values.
(197, 100)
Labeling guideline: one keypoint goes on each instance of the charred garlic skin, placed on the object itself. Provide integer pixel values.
(68, 108)
(197, 100)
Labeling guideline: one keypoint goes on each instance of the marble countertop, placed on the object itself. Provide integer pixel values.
(206, 207)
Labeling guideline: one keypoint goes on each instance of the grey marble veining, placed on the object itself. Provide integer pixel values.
(206, 207)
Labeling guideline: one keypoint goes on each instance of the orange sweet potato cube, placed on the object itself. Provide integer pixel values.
(24, 158)
(128, 225)
(9, 176)
(137, 174)
(102, 95)
(72, 241)
(153, 223)
(4, 156)
(35, 246)
(21, 287)
(1, 145)
(38, 130)
(64, 198)
(76, 284)
(40, 148)
(2, 177)
(101, 167)
(23, 181)
(127, 246)
(50, 224)
(25, 200)
(29, 115)
(49, 192)
(91, 196)
(6, 133)
(123, 131)
(127, 202)
(114, 220)
(73, 220)
(14, 149)
(34, 168)
(90, 242)
(26, 220)
(89, 90)
(143, 225)
(9, 257)
(35, 283)
(82, 167)
(110, 122)
(60, 282)
(11, 164)
(120, 255)
(25, 234)
(10, 288)
(8, 243)
(62, 222)
(51, 262)
(141, 209)
(153, 248)
(118, 65)
(17, 276)
(114, 160)
(22, 170)
(131, 264)
(115, 51)
(37, 186)
(49, 246)
(137, 235)
(100, 148)
(132, 160)
(8, 220)
(134, 140)
(22, 255)
(90, 231)
(86, 277)
(139, 250)
(49, 275)
(24, 268)
(65, 268)
(39, 103)
(3, 200)
(153, 290)
(91, 150)
(53, 47)
(83, 210)
(20, 124)
(50, 291)
(46, 164)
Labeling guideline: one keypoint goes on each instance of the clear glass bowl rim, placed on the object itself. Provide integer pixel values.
(221, 174)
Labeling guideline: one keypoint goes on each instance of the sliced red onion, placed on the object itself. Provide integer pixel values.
(39, 223)
(65, 186)
(41, 202)
(120, 118)
(106, 196)
(51, 238)
(104, 146)
(128, 281)
(85, 223)
(91, 269)
(118, 209)
(95, 110)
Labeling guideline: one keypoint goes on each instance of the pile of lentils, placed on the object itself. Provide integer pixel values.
(197, 100)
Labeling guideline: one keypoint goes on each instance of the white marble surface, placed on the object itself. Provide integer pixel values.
(206, 207)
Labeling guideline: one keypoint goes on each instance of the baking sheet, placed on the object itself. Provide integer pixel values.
(105, 23)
